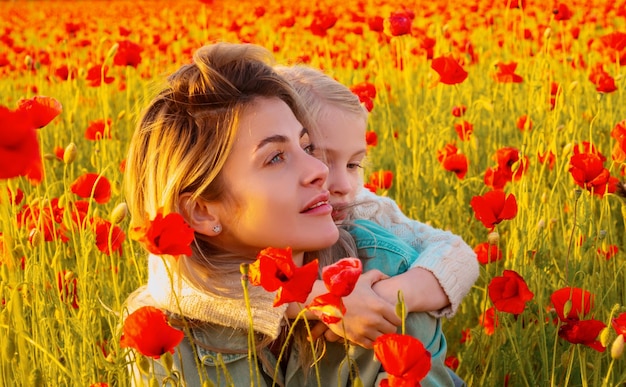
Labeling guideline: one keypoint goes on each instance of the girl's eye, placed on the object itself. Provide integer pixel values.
(310, 149)
(354, 165)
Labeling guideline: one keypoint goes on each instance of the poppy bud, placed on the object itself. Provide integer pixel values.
(244, 269)
(567, 149)
(400, 306)
(49, 156)
(112, 51)
(572, 86)
(168, 361)
(547, 33)
(8, 350)
(28, 61)
(604, 336)
(541, 224)
(34, 237)
(567, 307)
(143, 364)
(121, 114)
(617, 348)
(577, 193)
(35, 378)
(70, 153)
(119, 213)
(602, 234)
(493, 238)
(69, 275)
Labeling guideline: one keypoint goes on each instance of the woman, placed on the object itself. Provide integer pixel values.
(225, 144)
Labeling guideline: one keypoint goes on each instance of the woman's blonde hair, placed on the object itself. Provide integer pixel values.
(186, 133)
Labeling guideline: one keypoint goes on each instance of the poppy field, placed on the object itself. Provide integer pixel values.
(502, 121)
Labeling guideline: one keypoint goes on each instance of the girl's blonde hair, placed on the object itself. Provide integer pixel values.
(185, 135)
(318, 90)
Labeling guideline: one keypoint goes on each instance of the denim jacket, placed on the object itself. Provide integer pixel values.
(385, 252)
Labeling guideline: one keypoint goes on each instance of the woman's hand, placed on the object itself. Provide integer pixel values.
(367, 315)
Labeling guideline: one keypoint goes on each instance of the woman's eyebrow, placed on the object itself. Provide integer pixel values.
(279, 138)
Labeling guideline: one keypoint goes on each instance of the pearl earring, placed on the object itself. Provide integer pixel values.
(217, 229)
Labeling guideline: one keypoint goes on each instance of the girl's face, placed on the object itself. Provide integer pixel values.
(342, 146)
(276, 185)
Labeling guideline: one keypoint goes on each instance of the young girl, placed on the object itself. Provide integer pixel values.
(447, 267)
(226, 145)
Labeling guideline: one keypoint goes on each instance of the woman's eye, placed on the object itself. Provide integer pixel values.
(278, 157)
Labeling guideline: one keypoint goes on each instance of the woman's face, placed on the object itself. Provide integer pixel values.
(342, 146)
(277, 186)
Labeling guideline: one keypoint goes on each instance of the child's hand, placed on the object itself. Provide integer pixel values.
(367, 315)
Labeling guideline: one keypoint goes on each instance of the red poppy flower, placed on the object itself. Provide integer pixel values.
(489, 321)
(169, 235)
(108, 240)
(128, 54)
(382, 179)
(547, 156)
(376, 23)
(506, 73)
(15, 198)
(41, 109)
(493, 207)
(43, 217)
(509, 293)
(403, 357)
(583, 332)
(452, 362)
(449, 70)
(619, 324)
(456, 163)
(95, 76)
(608, 252)
(275, 270)
(581, 302)
(341, 277)
(371, 138)
(587, 147)
(511, 162)
(588, 172)
(329, 308)
(496, 178)
(322, 22)
(67, 286)
(464, 130)
(448, 150)
(487, 253)
(459, 111)
(524, 123)
(148, 331)
(98, 129)
(19, 148)
(399, 23)
(92, 184)
(562, 12)
(603, 81)
(366, 91)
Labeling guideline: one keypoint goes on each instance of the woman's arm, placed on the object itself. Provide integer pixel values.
(367, 314)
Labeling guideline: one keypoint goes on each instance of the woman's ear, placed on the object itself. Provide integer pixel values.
(201, 215)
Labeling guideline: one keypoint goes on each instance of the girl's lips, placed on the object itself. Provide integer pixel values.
(338, 214)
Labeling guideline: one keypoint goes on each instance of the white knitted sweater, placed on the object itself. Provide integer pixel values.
(446, 255)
